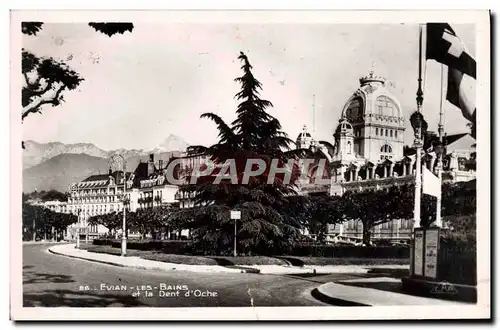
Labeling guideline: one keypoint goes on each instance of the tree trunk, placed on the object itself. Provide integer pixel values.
(366, 235)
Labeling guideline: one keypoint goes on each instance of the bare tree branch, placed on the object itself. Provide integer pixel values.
(35, 105)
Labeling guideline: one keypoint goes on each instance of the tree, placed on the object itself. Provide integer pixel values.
(54, 195)
(111, 221)
(267, 222)
(46, 79)
(44, 223)
(324, 210)
(374, 208)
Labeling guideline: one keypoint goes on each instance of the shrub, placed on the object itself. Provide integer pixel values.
(457, 257)
(169, 247)
(101, 241)
(332, 251)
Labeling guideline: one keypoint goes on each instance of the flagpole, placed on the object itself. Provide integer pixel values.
(439, 166)
(418, 139)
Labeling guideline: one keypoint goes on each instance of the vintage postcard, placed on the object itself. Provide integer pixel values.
(250, 165)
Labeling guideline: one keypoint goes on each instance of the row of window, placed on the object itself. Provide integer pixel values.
(81, 193)
(386, 132)
(403, 224)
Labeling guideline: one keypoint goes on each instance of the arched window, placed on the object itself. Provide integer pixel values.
(376, 130)
(387, 149)
(349, 147)
(386, 106)
(354, 111)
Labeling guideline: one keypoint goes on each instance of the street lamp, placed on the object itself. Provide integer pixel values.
(78, 224)
(439, 148)
(78, 211)
(34, 224)
(417, 123)
(115, 161)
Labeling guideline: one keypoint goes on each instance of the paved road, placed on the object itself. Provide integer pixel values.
(51, 280)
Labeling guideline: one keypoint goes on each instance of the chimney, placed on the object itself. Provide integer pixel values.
(151, 164)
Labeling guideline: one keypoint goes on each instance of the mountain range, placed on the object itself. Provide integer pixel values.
(56, 165)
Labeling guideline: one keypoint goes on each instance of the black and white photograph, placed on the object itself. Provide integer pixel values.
(274, 165)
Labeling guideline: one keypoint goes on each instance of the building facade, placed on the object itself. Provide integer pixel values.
(147, 186)
(368, 153)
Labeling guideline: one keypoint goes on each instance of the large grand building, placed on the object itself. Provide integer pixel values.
(147, 186)
(368, 153)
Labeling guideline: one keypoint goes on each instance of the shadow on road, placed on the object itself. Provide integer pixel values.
(69, 298)
(37, 278)
(379, 285)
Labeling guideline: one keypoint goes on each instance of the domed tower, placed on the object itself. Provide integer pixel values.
(377, 120)
(344, 141)
(304, 139)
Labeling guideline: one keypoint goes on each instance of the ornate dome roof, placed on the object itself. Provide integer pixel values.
(304, 133)
(371, 98)
(344, 127)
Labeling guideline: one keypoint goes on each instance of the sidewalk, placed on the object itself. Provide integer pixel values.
(387, 293)
(69, 250)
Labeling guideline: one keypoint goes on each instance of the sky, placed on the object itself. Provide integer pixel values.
(141, 87)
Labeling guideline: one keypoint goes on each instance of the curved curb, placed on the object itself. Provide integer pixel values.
(87, 259)
(248, 270)
(318, 293)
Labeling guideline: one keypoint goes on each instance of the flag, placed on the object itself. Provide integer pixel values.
(445, 47)
(431, 183)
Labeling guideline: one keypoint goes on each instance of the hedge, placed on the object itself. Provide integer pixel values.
(169, 247)
(457, 257)
(101, 241)
(346, 251)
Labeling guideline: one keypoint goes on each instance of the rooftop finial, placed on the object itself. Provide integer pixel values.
(372, 77)
(372, 71)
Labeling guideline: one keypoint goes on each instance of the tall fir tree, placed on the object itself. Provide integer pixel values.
(270, 213)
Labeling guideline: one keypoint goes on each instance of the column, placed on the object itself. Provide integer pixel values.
(372, 172)
(404, 168)
(418, 186)
(342, 172)
(356, 171)
(391, 169)
(385, 171)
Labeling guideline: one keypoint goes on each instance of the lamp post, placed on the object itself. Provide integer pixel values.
(116, 160)
(34, 225)
(78, 224)
(439, 167)
(78, 229)
(417, 120)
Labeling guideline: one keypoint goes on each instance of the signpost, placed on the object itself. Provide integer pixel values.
(425, 253)
(235, 215)
(418, 252)
(431, 252)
